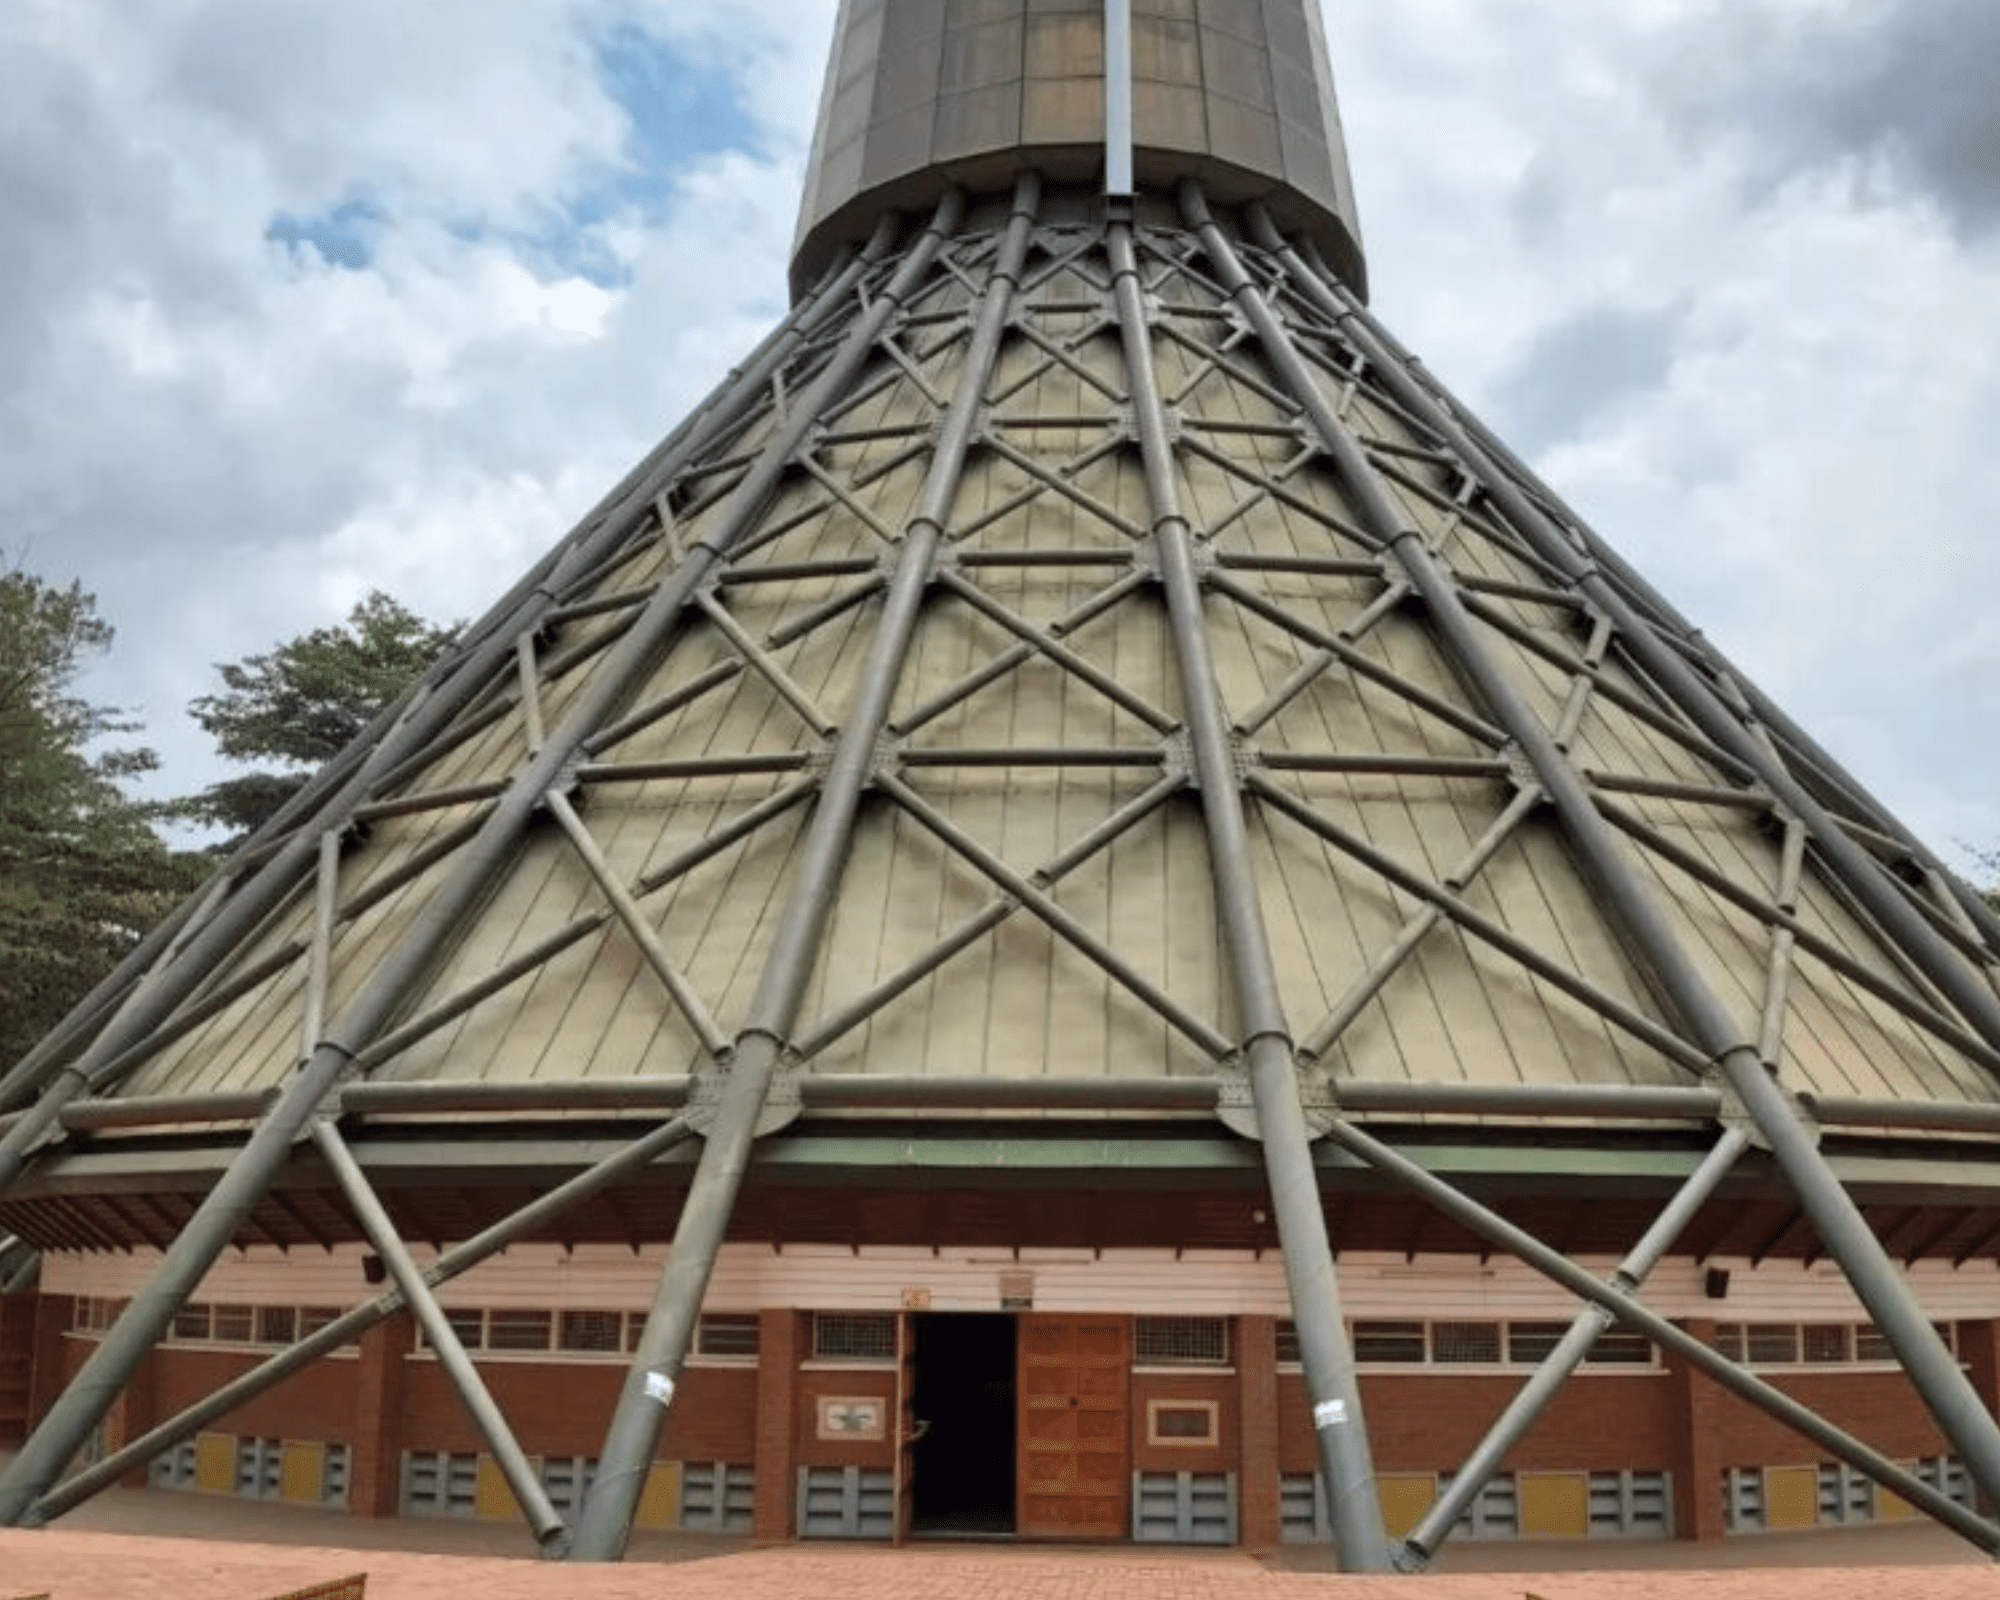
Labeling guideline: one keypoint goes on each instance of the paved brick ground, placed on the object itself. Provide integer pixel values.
(144, 1545)
(99, 1566)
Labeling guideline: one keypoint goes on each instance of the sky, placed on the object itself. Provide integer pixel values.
(301, 299)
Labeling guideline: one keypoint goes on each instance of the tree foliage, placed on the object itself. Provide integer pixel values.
(303, 702)
(82, 874)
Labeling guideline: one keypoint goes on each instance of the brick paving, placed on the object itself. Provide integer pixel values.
(135, 1544)
(102, 1566)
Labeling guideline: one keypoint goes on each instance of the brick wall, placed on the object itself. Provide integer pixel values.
(1431, 1421)
(781, 1337)
(18, 1318)
(382, 1401)
(858, 1382)
(1880, 1407)
(1218, 1389)
(556, 1408)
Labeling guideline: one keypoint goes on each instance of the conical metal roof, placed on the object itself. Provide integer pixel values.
(1079, 667)
(1027, 890)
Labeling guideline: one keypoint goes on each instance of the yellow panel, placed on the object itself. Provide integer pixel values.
(1406, 1496)
(1791, 1497)
(302, 1473)
(1554, 1505)
(1891, 1507)
(215, 1462)
(491, 1497)
(660, 1500)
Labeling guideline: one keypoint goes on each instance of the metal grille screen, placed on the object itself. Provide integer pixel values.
(1181, 1341)
(852, 1336)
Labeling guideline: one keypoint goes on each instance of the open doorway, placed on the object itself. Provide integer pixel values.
(962, 1468)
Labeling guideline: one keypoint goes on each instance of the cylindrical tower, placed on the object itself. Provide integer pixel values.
(923, 95)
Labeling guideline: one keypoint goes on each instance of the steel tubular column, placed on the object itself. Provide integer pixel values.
(350, 1325)
(1339, 1428)
(1768, 1398)
(1945, 1389)
(544, 1521)
(1884, 900)
(627, 1453)
(1437, 406)
(1424, 1541)
(215, 1222)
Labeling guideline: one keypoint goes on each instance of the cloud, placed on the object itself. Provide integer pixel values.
(1722, 271)
(1896, 97)
(1589, 364)
(299, 300)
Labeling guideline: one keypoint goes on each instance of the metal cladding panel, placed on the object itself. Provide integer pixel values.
(920, 95)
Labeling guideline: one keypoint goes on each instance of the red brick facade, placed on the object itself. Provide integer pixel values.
(383, 1399)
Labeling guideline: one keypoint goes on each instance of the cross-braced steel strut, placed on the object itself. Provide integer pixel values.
(222, 1213)
(1861, 872)
(1339, 1428)
(404, 730)
(1669, 1336)
(618, 1167)
(1422, 1543)
(627, 1454)
(1946, 1391)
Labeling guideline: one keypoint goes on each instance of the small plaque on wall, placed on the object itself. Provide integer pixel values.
(853, 1417)
(916, 1299)
(1185, 1422)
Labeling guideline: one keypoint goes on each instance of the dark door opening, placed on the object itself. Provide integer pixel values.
(962, 1467)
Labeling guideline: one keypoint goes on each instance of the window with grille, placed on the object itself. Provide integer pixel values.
(1181, 1342)
(235, 1324)
(590, 1331)
(1620, 1346)
(854, 1336)
(469, 1326)
(728, 1333)
(1531, 1343)
(191, 1321)
(277, 1324)
(1465, 1342)
(1389, 1341)
(518, 1330)
(96, 1313)
(1289, 1354)
(314, 1318)
(1819, 1344)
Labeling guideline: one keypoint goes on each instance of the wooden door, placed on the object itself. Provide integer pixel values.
(1074, 1462)
(905, 1486)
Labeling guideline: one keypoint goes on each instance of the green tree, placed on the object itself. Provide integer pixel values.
(82, 874)
(301, 703)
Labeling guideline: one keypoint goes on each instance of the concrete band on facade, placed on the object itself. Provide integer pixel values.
(926, 93)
